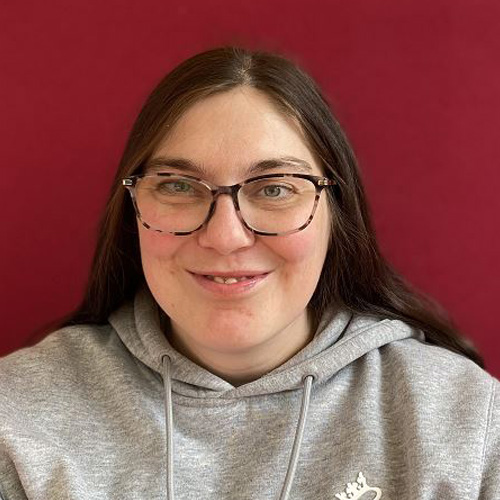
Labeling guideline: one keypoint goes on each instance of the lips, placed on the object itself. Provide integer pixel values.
(246, 273)
(229, 282)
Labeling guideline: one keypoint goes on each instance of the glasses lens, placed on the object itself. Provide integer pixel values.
(172, 203)
(277, 204)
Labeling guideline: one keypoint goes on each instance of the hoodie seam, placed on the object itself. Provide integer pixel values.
(488, 423)
(207, 402)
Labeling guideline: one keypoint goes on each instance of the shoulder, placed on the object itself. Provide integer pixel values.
(450, 400)
(59, 366)
(402, 354)
(60, 348)
(438, 384)
(431, 363)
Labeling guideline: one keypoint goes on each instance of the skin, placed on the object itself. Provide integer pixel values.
(238, 338)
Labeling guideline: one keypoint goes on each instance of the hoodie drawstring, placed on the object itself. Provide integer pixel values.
(167, 385)
(299, 433)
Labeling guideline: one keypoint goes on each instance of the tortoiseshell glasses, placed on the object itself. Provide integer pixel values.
(268, 205)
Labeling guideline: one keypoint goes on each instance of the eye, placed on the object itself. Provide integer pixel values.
(276, 191)
(174, 190)
(174, 187)
(273, 190)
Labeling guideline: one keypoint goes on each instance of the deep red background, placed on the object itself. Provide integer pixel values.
(416, 84)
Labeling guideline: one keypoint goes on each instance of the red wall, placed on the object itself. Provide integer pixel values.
(415, 83)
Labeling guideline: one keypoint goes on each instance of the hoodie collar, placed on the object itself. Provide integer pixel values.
(340, 339)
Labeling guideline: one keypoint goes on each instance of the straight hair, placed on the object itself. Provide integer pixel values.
(355, 275)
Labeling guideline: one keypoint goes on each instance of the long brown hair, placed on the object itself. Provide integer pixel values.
(355, 275)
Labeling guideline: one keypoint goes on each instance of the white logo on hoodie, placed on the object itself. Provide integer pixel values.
(356, 490)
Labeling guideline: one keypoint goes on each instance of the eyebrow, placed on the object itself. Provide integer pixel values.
(187, 166)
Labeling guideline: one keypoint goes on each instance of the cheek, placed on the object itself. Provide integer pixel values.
(303, 253)
(296, 248)
(308, 247)
(158, 256)
(157, 248)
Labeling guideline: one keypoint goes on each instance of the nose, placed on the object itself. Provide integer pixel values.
(225, 231)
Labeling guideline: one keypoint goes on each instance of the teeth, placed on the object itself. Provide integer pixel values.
(227, 280)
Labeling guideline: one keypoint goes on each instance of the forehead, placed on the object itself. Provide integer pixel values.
(228, 132)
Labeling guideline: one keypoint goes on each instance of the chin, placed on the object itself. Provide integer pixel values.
(231, 336)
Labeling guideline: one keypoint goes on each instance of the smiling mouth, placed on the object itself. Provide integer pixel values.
(232, 278)
(227, 280)
(231, 285)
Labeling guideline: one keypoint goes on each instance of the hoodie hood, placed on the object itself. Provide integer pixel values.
(113, 411)
(340, 339)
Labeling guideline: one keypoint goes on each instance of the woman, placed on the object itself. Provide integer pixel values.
(241, 336)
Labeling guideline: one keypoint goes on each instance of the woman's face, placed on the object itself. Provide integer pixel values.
(224, 135)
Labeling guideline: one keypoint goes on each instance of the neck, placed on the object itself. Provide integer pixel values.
(241, 366)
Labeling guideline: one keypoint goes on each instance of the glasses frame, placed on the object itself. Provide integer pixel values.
(319, 182)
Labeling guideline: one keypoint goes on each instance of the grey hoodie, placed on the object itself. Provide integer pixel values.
(365, 411)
